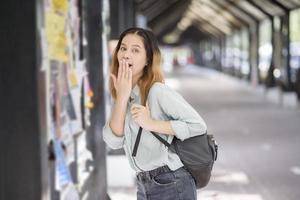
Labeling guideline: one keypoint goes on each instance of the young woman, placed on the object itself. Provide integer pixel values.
(141, 99)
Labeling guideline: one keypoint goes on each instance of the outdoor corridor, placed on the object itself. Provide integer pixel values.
(257, 132)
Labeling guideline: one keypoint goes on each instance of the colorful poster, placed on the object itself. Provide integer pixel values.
(62, 172)
(61, 6)
(56, 37)
(76, 84)
(67, 137)
(71, 95)
(63, 176)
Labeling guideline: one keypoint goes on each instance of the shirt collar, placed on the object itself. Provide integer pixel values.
(135, 91)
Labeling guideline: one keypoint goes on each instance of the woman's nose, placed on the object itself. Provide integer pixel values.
(126, 55)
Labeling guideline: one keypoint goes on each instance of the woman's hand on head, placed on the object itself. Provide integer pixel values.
(141, 115)
(123, 81)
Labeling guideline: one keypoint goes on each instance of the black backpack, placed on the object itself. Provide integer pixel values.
(197, 154)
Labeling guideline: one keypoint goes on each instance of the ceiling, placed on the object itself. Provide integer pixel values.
(197, 19)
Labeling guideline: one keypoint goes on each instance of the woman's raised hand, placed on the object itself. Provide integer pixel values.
(123, 81)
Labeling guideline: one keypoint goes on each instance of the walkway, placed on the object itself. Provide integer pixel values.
(258, 138)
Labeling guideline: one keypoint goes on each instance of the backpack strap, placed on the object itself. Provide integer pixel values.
(138, 138)
(160, 139)
(137, 142)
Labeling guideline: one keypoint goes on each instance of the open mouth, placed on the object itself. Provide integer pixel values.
(129, 65)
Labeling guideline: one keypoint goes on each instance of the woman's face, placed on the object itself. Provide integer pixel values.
(133, 51)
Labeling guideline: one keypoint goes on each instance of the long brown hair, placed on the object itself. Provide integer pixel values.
(152, 72)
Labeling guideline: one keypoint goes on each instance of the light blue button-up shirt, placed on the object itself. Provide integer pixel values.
(164, 104)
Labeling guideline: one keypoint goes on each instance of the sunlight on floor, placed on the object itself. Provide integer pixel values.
(216, 195)
(202, 195)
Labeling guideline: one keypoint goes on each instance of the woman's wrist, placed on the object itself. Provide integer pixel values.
(151, 125)
(122, 100)
(159, 126)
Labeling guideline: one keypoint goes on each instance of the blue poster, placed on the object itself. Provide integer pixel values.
(62, 169)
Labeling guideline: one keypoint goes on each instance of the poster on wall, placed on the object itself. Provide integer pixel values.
(75, 78)
(69, 95)
(62, 172)
(56, 36)
(62, 105)
(63, 176)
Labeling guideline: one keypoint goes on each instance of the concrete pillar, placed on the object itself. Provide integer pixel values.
(122, 16)
(96, 185)
(253, 56)
(285, 31)
(23, 168)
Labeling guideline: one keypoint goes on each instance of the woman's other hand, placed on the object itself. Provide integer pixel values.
(141, 115)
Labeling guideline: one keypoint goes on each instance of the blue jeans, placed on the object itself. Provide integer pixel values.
(164, 184)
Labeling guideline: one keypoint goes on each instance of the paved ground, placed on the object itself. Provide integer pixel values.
(258, 138)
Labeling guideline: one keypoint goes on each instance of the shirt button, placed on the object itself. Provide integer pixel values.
(131, 99)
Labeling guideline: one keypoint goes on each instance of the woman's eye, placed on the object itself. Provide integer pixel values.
(135, 50)
(122, 48)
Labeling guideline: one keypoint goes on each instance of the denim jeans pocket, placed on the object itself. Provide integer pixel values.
(164, 179)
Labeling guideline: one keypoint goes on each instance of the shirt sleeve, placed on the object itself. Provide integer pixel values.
(113, 141)
(184, 119)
